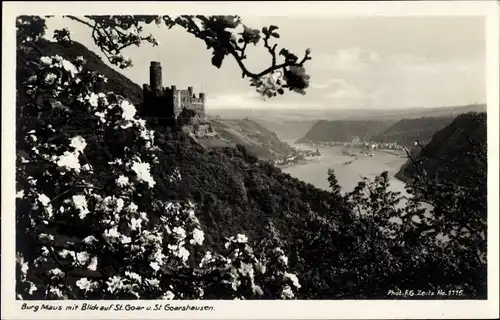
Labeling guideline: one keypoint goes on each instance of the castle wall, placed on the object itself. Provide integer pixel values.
(186, 99)
(158, 103)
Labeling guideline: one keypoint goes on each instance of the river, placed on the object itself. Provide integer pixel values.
(348, 175)
(315, 171)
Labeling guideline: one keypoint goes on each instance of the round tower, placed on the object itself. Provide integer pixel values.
(155, 75)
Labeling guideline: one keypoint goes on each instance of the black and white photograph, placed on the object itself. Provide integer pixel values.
(248, 155)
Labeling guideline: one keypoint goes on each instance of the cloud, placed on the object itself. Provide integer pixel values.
(346, 59)
(360, 78)
(252, 100)
(347, 95)
(329, 84)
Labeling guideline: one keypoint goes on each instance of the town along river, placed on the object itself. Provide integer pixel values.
(348, 169)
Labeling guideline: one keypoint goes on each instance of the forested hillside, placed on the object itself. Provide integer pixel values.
(116, 82)
(406, 131)
(456, 153)
(345, 130)
(254, 136)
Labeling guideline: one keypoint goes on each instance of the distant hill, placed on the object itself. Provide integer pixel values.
(307, 113)
(406, 131)
(254, 136)
(288, 129)
(344, 130)
(454, 152)
(450, 111)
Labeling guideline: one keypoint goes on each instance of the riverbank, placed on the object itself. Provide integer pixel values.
(348, 175)
(299, 156)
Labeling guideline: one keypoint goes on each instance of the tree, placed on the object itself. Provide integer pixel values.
(112, 34)
(90, 221)
(93, 222)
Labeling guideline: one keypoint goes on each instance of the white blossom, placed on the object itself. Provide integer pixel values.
(206, 258)
(133, 276)
(114, 284)
(283, 259)
(135, 224)
(246, 269)
(56, 291)
(198, 237)
(56, 273)
(169, 295)
(69, 160)
(241, 238)
(111, 234)
(24, 265)
(128, 110)
(68, 66)
(46, 60)
(122, 181)
(82, 257)
(294, 279)
(154, 265)
(50, 78)
(92, 99)
(89, 239)
(80, 203)
(93, 264)
(180, 232)
(287, 292)
(141, 169)
(49, 237)
(78, 143)
(85, 284)
(132, 207)
(153, 282)
(44, 200)
(125, 239)
(32, 288)
(101, 116)
(64, 253)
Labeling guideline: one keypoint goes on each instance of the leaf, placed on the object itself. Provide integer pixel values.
(272, 28)
(217, 59)
(275, 34)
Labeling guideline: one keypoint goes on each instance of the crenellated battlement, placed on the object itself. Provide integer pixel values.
(168, 102)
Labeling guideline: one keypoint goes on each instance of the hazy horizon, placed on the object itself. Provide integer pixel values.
(357, 62)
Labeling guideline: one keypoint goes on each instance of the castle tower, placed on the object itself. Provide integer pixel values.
(155, 75)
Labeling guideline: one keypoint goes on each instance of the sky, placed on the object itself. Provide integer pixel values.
(357, 62)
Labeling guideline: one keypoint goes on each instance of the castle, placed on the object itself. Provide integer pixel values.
(170, 103)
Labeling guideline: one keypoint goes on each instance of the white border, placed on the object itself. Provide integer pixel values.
(262, 309)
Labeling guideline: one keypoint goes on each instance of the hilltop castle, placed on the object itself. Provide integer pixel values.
(168, 103)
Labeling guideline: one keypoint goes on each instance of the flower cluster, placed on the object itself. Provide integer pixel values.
(124, 242)
(269, 85)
